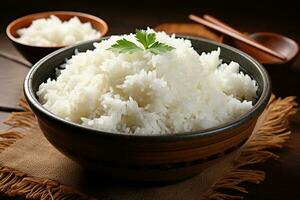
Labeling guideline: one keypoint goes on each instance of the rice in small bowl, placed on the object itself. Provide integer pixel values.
(141, 119)
(53, 31)
(39, 34)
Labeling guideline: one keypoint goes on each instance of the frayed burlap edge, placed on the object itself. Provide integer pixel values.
(272, 134)
(16, 183)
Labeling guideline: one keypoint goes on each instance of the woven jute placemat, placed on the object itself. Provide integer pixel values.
(32, 168)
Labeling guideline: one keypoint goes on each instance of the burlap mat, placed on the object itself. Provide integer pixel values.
(32, 168)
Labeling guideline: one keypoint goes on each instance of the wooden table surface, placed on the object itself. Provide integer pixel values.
(283, 176)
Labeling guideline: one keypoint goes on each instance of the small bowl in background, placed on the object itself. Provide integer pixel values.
(35, 53)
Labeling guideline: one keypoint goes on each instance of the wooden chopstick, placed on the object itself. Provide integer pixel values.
(237, 36)
(220, 23)
(223, 24)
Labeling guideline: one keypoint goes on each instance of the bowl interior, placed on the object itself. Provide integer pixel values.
(25, 21)
(45, 69)
(285, 46)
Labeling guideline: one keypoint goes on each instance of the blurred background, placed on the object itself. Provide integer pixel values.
(254, 15)
(248, 16)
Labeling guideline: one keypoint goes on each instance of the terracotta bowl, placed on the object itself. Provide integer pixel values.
(35, 53)
(146, 158)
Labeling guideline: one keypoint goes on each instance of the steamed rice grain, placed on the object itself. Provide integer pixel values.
(54, 32)
(143, 93)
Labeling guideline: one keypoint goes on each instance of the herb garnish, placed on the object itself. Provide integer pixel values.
(148, 40)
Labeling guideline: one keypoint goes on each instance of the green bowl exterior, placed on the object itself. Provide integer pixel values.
(146, 158)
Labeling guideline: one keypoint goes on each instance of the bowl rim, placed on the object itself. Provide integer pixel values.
(256, 110)
(71, 13)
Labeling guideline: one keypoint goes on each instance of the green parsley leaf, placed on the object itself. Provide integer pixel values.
(124, 46)
(146, 39)
(159, 48)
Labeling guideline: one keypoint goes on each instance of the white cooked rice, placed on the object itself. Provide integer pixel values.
(142, 93)
(54, 32)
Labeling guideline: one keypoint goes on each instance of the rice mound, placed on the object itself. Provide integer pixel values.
(54, 32)
(142, 93)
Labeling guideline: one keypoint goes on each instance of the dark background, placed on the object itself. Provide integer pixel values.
(283, 176)
(126, 15)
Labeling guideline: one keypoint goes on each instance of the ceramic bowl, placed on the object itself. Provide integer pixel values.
(34, 53)
(147, 158)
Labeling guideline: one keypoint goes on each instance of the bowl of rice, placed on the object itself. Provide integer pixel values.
(147, 106)
(39, 34)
